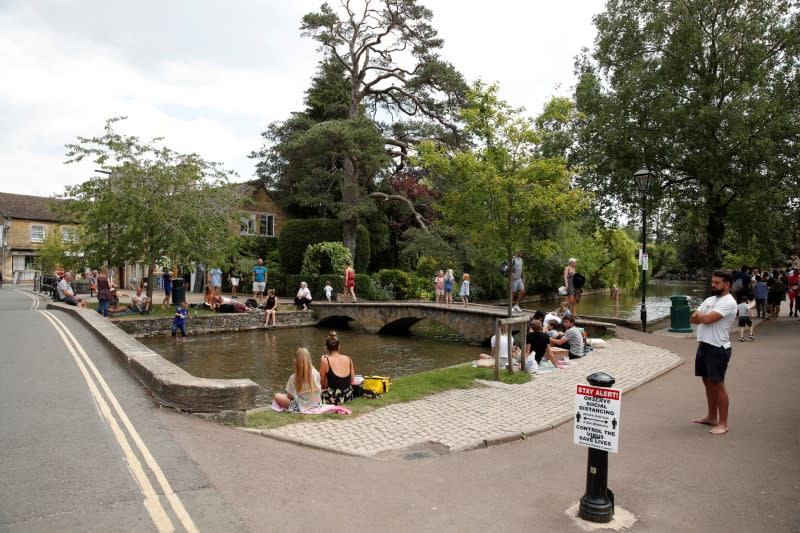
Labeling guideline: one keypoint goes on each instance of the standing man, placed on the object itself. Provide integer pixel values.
(216, 280)
(714, 318)
(260, 273)
(517, 284)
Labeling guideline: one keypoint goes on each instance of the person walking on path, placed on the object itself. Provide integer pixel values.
(167, 276)
(517, 283)
(793, 287)
(350, 281)
(260, 276)
(743, 312)
(569, 283)
(761, 291)
(714, 318)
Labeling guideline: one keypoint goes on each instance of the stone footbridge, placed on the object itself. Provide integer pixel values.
(475, 323)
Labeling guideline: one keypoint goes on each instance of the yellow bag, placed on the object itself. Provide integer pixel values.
(377, 384)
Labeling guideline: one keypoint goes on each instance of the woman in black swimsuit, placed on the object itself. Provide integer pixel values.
(336, 374)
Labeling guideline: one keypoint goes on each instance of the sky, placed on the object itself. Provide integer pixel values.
(209, 76)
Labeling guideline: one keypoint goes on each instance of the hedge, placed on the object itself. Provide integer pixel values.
(297, 234)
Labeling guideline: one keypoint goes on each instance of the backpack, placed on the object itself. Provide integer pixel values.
(578, 280)
(503, 268)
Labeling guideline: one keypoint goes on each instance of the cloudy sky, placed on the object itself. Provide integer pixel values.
(210, 75)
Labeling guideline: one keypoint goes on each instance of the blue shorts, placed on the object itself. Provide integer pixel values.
(711, 362)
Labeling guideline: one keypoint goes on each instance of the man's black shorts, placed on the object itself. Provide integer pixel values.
(711, 362)
(745, 321)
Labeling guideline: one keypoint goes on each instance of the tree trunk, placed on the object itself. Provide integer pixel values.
(715, 230)
(349, 201)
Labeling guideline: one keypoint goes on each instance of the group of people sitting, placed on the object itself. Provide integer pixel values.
(217, 302)
(308, 388)
(545, 331)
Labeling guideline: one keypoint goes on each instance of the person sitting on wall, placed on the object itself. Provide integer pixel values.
(139, 302)
(303, 297)
(210, 299)
(65, 292)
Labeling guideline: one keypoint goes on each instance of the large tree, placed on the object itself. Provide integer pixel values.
(388, 52)
(706, 93)
(502, 194)
(151, 201)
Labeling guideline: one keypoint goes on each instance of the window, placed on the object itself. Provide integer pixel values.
(69, 235)
(37, 233)
(266, 225)
(247, 225)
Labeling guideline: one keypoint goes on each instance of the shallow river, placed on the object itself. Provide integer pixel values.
(267, 356)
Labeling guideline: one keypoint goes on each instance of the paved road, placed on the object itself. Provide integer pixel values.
(69, 458)
(63, 465)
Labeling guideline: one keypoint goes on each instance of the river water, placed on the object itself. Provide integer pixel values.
(629, 304)
(267, 356)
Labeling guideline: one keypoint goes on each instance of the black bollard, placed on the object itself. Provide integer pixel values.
(597, 503)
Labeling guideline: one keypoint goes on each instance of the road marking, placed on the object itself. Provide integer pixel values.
(152, 502)
(36, 300)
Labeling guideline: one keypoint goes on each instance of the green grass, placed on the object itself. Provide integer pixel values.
(404, 389)
(157, 311)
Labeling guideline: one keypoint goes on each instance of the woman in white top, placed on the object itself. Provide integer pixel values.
(303, 390)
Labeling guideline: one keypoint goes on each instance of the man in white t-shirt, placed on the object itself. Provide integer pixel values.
(501, 348)
(714, 319)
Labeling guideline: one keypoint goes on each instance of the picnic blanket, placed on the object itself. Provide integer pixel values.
(335, 409)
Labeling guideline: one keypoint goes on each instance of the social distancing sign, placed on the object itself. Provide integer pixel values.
(596, 418)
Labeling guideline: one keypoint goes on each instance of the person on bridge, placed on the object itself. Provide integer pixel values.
(714, 318)
(65, 292)
(438, 286)
(336, 374)
(517, 283)
(350, 281)
(464, 293)
(449, 282)
(303, 296)
(303, 390)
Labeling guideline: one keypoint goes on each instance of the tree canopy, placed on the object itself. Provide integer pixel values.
(707, 94)
(150, 201)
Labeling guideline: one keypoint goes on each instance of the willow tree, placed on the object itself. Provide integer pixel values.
(707, 94)
(388, 52)
(501, 191)
(151, 201)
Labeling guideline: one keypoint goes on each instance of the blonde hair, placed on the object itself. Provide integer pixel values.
(303, 372)
(465, 277)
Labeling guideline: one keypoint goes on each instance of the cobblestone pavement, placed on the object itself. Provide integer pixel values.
(464, 419)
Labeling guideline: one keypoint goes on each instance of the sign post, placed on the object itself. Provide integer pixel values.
(597, 415)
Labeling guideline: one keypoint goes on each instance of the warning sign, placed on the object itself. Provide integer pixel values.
(597, 417)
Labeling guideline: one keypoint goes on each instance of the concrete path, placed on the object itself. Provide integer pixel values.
(464, 419)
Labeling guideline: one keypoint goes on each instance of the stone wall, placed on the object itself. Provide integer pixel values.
(219, 322)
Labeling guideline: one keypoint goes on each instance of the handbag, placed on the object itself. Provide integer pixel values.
(562, 291)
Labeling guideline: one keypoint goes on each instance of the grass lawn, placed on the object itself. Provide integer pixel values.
(404, 389)
(158, 311)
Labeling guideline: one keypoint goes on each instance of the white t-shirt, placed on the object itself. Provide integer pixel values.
(716, 333)
(328, 291)
(502, 349)
(551, 316)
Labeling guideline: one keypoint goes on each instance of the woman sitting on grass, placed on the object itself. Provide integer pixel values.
(303, 390)
(337, 373)
(210, 298)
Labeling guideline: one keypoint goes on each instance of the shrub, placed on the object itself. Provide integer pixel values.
(401, 283)
(325, 257)
(299, 233)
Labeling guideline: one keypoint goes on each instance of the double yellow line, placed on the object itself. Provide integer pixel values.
(96, 383)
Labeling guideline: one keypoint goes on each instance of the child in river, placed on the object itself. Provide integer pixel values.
(179, 322)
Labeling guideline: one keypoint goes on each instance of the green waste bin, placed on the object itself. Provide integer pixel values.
(178, 291)
(679, 314)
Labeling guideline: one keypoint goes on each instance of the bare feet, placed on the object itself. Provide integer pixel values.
(707, 421)
(718, 430)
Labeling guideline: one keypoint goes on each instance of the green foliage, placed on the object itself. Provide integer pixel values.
(298, 234)
(427, 267)
(705, 93)
(326, 258)
(398, 281)
(502, 195)
(153, 202)
(54, 252)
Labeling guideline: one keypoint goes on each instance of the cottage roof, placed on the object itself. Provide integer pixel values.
(29, 207)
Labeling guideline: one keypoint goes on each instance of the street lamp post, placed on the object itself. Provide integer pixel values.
(642, 177)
